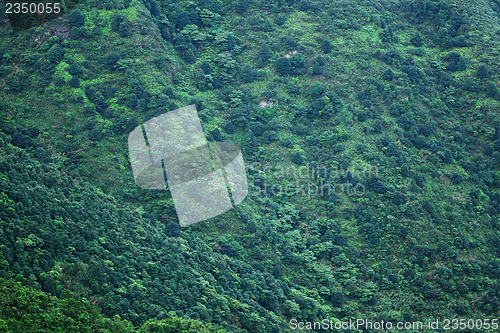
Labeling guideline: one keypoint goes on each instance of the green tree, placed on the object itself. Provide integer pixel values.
(111, 60)
(483, 72)
(264, 53)
(116, 21)
(388, 75)
(417, 40)
(175, 324)
(250, 143)
(241, 6)
(337, 298)
(55, 54)
(316, 90)
(229, 128)
(304, 5)
(492, 90)
(283, 66)
(247, 74)
(257, 128)
(74, 82)
(326, 46)
(125, 29)
(297, 158)
(76, 18)
(461, 64)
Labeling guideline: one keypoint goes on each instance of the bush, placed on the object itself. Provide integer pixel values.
(76, 19)
(241, 6)
(297, 158)
(483, 72)
(316, 90)
(22, 139)
(399, 199)
(326, 46)
(269, 136)
(172, 230)
(283, 66)
(304, 5)
(406, 123)
(229, 128)
(216, 135)
(370, 232)
(470, 85)
(95, 134)
(55, 54)
(388, 75)
(460, 41)
(111, 60)
(337, 298)
(125, 29)
(247, 74)
(417, 40)
(74, 82)
(257, 128)
(115, 22)
(491, 90)
(376, 185)
(264, 53)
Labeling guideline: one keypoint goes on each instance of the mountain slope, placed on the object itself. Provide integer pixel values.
(398, 98)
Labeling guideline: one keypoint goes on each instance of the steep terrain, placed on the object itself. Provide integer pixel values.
(396, 99)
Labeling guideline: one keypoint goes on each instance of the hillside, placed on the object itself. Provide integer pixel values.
(371, 135)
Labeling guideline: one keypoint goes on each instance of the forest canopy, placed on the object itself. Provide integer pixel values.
(397, 99)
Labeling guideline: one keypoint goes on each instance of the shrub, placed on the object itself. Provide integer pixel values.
(297, 158)
(55, 54)
(483, 72)
(491, 90)
(283, 66)
(388, 75)
(257, 128)
(76, 18)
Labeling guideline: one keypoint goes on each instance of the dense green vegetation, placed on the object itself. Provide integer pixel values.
(407, 90)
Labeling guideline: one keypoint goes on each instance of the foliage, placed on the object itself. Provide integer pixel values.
(399, 98)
